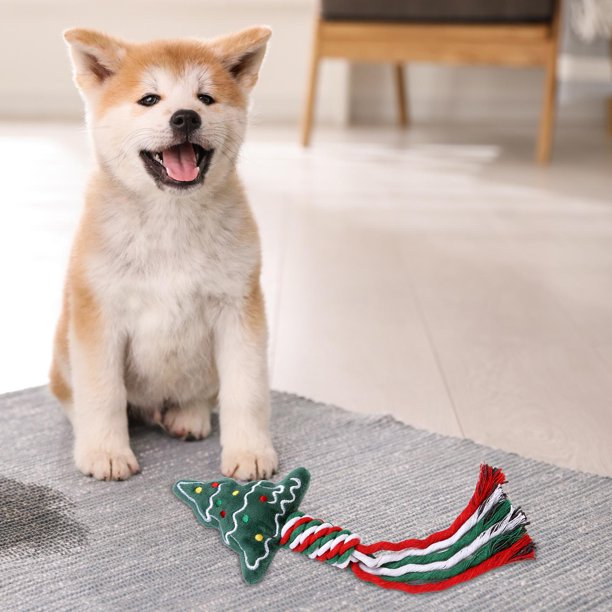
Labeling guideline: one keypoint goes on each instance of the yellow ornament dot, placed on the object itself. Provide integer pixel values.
(198, 490)
(259, 537)
(235, 492)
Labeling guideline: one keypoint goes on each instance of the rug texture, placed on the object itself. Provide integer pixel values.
(71, 543)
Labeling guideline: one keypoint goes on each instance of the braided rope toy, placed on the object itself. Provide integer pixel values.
(257, 518)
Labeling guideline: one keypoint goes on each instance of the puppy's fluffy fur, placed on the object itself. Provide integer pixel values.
(163, 309)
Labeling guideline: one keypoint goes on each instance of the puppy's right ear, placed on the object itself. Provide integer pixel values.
(95, 56)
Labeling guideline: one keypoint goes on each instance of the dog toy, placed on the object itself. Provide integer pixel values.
(257, 518)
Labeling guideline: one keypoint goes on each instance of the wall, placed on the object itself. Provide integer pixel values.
(35, 76)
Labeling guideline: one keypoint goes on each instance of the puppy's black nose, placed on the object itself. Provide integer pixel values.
(185, 121)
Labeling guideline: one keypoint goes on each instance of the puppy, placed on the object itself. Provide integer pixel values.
(163, 309)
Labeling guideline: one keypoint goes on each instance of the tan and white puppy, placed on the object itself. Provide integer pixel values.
(163, 309)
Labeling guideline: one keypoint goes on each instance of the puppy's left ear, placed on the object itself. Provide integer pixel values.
(242, 53)
(95, 56)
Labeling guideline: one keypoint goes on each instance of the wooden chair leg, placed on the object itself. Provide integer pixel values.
(401, 97)
(311, 92)
(610, 98)
(547, 118)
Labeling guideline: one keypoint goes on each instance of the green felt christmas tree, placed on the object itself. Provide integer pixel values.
(249, 516)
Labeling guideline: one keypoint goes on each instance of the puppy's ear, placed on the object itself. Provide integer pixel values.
(95, 56)
(243, 52)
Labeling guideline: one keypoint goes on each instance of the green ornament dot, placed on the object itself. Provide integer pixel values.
(218, 502)
(245, 518)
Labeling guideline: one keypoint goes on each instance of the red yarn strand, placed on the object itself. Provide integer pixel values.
(313, 537)
(301, 521)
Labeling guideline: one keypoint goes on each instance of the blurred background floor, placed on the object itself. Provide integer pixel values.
(457, 286)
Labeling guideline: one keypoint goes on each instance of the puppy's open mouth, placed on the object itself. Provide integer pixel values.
(182, 165)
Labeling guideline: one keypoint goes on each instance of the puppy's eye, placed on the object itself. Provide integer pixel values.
(149, 100)
(206, 99)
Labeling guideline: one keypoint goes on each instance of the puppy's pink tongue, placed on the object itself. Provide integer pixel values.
(180, 162)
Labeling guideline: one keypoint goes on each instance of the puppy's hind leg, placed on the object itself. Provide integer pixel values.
(189, 420)
(59, 374)
(60, 388)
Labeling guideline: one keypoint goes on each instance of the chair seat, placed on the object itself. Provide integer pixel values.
(440, 11)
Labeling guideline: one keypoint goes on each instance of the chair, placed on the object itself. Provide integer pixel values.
(516, 33)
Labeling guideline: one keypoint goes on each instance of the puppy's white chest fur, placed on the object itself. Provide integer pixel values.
(169, 335)
(165, 275)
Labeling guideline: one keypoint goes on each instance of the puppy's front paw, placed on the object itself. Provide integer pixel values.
(249, 464)
(107, 465)
(190, 422)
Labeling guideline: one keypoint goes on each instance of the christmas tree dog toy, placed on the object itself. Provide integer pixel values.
(257, 518)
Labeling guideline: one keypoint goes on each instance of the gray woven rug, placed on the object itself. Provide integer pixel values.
(69, 543)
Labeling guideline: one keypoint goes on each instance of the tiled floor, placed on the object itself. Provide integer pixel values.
(438, 275)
